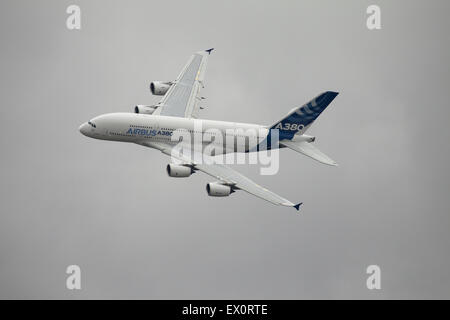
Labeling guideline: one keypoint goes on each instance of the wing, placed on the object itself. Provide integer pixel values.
(182, 98)
(226, 176)
(309, 150)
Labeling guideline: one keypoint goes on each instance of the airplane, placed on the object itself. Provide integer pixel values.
(153, 126)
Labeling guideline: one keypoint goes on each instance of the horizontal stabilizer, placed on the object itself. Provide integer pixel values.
(309, 150)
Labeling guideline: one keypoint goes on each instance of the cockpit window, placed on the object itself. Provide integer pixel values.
(92, 124)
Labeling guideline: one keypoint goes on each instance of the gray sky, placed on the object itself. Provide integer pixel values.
(136, 233)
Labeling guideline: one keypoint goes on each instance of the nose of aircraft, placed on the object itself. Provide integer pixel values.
(84, 129)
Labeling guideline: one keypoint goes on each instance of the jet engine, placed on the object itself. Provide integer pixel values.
(144, 109)
(216, 189)
(178, 171)
(159, 88)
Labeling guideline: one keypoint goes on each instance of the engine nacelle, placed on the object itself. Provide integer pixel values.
(159, 88)
(144, 109)
(177, 171)
(216, 189)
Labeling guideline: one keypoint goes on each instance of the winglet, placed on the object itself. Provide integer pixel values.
(209, 50)
(297, 206)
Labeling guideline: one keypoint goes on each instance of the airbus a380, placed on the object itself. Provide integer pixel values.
(153, 126)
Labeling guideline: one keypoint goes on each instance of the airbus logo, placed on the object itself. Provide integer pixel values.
(145, 132)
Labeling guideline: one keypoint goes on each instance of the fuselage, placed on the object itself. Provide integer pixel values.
(138, 128)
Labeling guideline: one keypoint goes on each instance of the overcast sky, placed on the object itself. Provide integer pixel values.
(136, 233)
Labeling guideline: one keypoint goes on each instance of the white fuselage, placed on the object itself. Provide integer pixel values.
(139, 128)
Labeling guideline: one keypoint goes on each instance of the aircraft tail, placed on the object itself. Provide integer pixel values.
(300, 119)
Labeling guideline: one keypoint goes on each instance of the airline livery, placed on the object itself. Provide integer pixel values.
(169, 125)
